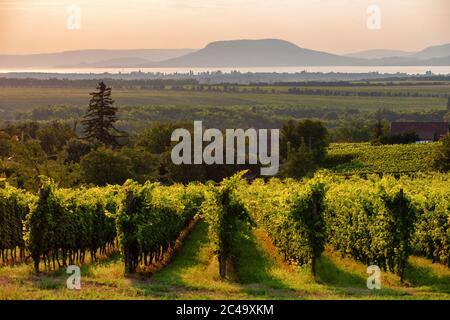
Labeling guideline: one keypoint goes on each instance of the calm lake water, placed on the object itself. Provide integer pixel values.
(337, 69)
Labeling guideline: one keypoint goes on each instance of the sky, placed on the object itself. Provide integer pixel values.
(337, 26)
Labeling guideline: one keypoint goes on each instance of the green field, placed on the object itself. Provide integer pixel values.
(138, 107)
(29, 98)
(442, 89)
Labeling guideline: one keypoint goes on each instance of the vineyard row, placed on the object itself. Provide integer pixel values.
(374, 220)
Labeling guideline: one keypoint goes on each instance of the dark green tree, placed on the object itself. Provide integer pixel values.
(76, 148)
(441, 155)
(99, 120)
(312, 133)
(155, 138)
(144, 163)
(53, 136)
(378, 129)
(184, 173)
(5, 145)
(299, 162)
(105, 166)
(448, 104)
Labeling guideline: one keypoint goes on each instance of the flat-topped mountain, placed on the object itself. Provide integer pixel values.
(256, 53)
(229, 54)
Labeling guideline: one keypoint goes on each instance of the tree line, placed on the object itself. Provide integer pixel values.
(96, 152)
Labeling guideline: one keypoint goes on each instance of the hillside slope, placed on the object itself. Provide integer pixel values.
(256, 53)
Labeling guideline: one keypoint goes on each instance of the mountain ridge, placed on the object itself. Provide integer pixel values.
(255, 53)
(379, 54)
(228, 53)
(90, 57)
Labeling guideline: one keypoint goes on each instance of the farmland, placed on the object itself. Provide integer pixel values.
(238, 107)
(260, 269)
(305, 238)
(262, 275)
(28, 98)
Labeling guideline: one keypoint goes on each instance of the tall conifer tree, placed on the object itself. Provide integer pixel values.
(99, 120)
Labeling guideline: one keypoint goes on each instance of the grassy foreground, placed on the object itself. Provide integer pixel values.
(260, 274)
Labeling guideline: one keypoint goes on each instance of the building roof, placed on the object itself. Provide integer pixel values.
(425, 130)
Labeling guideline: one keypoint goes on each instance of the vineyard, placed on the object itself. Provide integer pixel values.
(373, 221)
(364, 158)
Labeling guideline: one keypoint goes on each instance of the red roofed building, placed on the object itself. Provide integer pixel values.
(430, 131)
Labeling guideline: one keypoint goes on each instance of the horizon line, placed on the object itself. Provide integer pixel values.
(230, 40)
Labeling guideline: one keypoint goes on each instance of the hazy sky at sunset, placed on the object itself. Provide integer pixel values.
(32, 26)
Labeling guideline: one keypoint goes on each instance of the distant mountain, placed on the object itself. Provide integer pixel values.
(231, 54)
(90, 58)
(279, 53)
(256, 53)
(433, 52)
(391, 57)
(126, 62)
(378, 54)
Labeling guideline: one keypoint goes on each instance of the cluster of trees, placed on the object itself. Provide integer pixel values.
(89, 83)
(348, 125)
(327, 92)
(381, 135)
(237, 77)
(29, 150)
(303, 147)
(97, 152)
(403, 138)
(102, 155)
(210, 88)
(424, 81)
(54, 149)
